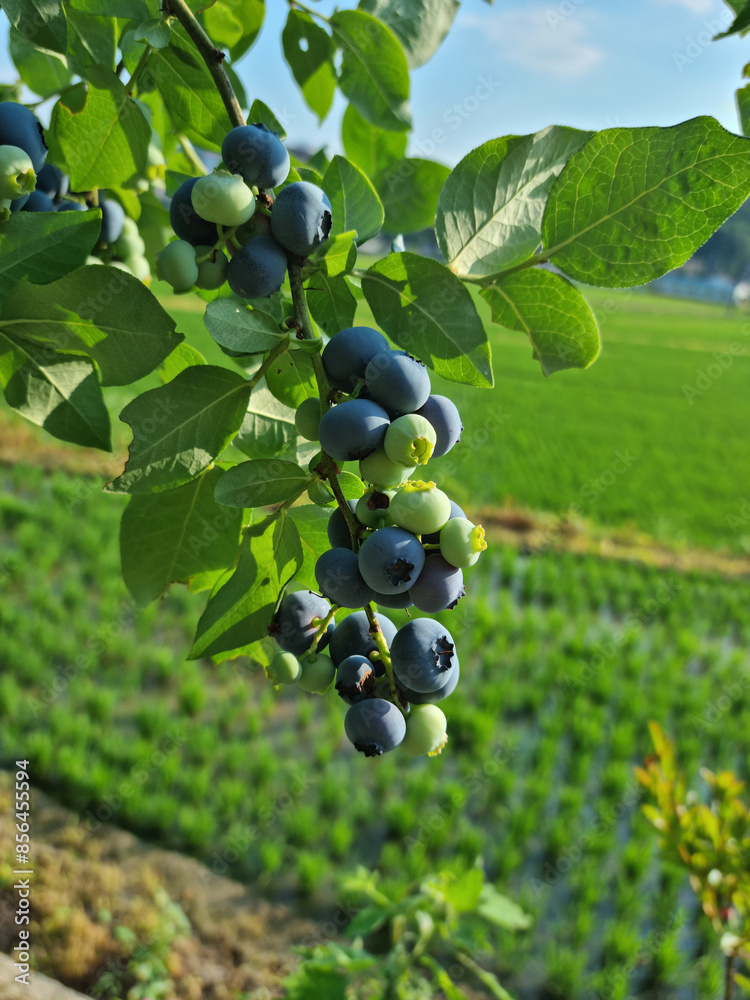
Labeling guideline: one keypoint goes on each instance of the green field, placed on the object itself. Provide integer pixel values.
(564, 661)
(548, 719)
(620, 444)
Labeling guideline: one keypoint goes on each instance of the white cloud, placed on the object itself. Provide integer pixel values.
(540, 39)
(696, 7)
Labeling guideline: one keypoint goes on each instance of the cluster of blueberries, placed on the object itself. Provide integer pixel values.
(230, 210)
(405, 545)
(29, 184)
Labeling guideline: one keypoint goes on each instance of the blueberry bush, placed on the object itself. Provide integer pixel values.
(273, 245)
(285, 483)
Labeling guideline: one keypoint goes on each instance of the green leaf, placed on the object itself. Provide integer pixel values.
(92, 41)
(189, 92)
(42, 22)
(312, 983)
(309, 51)
(105, 142)
(43, 71)
(261, 114)
(135, 10)
(743, 108)
(155, 32)
(374, 74)
(240, 612)
(240, 328)
(42, 246)
(58, 392)
(182, 357)
(268, 427)
(463, 891)
(100, 311)
(409, 190)
(420, 25)
(291, 378)
(331, 302)
(354, 201)
(371, 148)
(740, 24)
(635, 203)
(170, 537)
(251, 14)
(260, 483)
(351, 486)
(338, 255)
(180, 428)
(312, 525)
(489, 214)
(426, 310)
(551, 312)
(500, 910)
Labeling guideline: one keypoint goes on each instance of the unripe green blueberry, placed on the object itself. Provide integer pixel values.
(307, 418)
(284, 668)
(139, 266)
(420, 508)
(373, 509)
(409, 440)
(94, 260)
(129, 244)
(461, 542)
(176, 265)
(223, 198)
(426, 731)
(17, 175)
(379, 470)
(212, 272)
(317, 674)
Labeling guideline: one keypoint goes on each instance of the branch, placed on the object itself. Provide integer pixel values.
(213, 57)
(304, 323)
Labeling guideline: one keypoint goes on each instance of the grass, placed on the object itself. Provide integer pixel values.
(620, 444)
(564, 660)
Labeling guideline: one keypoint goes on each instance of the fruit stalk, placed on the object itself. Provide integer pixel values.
(385, 655)
(213, 57)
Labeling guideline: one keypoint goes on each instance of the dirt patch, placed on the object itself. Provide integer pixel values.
(532, 532)
(87, 885)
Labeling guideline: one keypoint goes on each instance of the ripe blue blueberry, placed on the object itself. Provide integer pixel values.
(397, 381)
(352, 430)
(70, 206)
(339, 579)
(52, 181)
(423, 655)
(352, 637)
(113, 219)
(347, 354)
(258, 269)
(355, 679)
(21, 127)
(374, 726)
(301, 218)
(391, 560)
(39, 202)
(445, 418)
(397, 601)
(185, 221)
(292, 625)
(440, 586)
(430, 697)
(257, 154)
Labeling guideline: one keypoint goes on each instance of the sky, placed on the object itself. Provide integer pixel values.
(520, 65)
